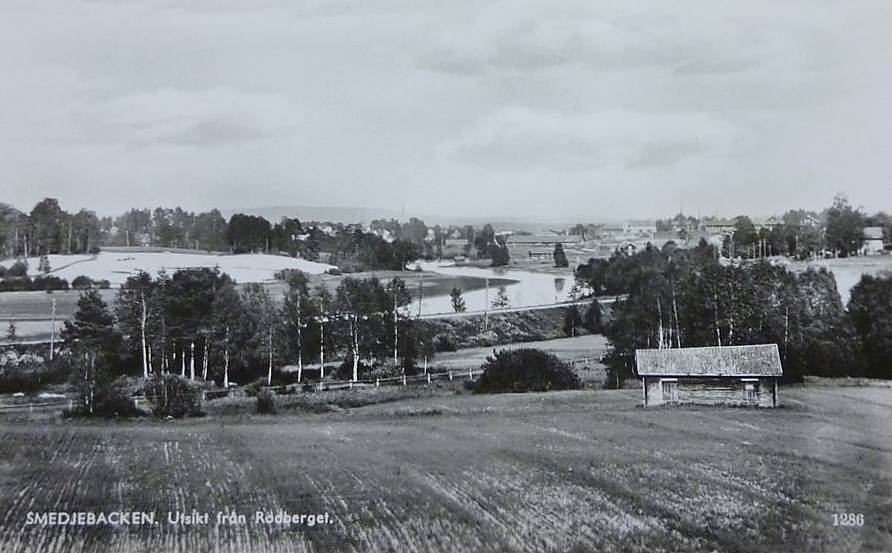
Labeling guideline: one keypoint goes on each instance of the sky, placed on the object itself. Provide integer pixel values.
(540, 109)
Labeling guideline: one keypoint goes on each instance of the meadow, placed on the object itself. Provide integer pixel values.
(568, 471)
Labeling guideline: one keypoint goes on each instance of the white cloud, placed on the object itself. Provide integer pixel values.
(518, 137)
(200, 118)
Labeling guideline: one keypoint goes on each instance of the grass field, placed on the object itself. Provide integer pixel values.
(568, 471)
(116, 266)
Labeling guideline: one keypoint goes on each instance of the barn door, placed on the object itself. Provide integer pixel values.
(751, 391)
(670, 391)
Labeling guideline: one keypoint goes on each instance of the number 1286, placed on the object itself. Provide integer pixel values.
(848, 519)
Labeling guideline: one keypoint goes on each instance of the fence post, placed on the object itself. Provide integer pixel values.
(351, 384)
(377, 382)
(71, 405)
(428, 378)
(450, 375)
(404, 380)
(470, 374)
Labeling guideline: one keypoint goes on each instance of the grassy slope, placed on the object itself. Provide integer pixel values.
(574, 471)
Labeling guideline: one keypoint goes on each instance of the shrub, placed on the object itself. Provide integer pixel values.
(19, 269)
(444, 342)
(266, 403)
(525, 370)
(82, 282)
(110, 400)
(345, 370)
(175, 396)
(253, 389)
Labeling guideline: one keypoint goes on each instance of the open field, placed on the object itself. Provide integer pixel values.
(580, 347)
(117, 266)
(569, 471)
(847, 270)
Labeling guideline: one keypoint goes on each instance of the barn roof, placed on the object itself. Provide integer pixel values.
(873, 233)
(754, 360)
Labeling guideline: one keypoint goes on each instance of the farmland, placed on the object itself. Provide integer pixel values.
(568, 471)
(116, 266)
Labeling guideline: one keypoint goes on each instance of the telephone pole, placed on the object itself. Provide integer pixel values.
(486, 307)
(53, 331)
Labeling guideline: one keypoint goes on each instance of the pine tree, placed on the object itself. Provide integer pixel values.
(91, 334)
(501, 300)
(458, 302)
(560, 257)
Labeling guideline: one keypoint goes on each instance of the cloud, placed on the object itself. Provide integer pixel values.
(197, 118)
(541, 34)
(521, 138)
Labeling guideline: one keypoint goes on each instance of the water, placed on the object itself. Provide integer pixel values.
(528, 289)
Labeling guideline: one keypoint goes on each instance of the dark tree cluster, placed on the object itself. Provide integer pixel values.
(688, 299)
(199, 325)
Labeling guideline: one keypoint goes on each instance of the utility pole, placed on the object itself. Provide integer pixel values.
(300, 364)
(321, 348)
(420, 292)
(486, 307)
(269, 377)
(396, 329)
(53, 331)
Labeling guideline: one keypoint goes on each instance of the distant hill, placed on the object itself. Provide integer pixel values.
(366, 215)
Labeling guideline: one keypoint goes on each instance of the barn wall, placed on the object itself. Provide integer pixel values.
(653, 391)
(712, 391)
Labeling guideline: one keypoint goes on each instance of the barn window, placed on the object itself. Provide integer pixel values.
(670, 390)
(751, 389)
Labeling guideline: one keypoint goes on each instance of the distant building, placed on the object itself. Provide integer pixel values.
(730, 375)
(873, 240)
(543, 255)
(640, 229)
(769, 224)
(542, 240)
(719, 226)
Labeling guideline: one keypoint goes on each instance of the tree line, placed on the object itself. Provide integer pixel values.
(197, 323)
(385, 244)
(685, 298)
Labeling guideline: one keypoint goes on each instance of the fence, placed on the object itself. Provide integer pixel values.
(39, 406)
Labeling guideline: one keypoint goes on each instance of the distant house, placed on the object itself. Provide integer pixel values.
(719, 226)
(873, 240)
(541, 255)
(542, 240)
(769, 224)
(730, 375)
(642, 229)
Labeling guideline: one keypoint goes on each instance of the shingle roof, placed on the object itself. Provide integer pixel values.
(873, 233)
(754, 360)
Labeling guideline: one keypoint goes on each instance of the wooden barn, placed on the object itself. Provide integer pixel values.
(730, 375)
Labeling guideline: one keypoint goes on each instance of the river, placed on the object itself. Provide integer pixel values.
(529, 288)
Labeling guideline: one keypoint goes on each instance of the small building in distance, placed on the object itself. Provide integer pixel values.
(729, 375)
(873, 240)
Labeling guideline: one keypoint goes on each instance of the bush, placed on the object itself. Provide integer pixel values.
(266, 403)
(110, 400)
(175, 396)
(82, 282)
(345, 370)
(254, 388)
(18, 269)
(444, 342)
(525, 370)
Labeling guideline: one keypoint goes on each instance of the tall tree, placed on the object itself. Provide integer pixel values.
(91, 335)
(845, 227)
(136, 307)
(458, 302)
(560, 257)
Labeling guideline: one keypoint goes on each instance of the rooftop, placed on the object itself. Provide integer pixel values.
(752, 360)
